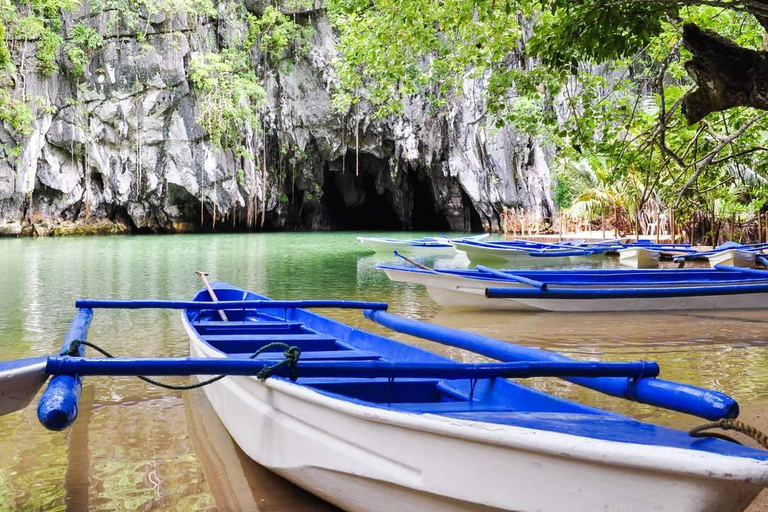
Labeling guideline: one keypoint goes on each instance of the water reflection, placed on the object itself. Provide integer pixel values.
(139, 447)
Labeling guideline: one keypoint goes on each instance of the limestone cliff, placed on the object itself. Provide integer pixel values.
(120, 146)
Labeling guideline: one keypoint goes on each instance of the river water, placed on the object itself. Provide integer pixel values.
(139, 447)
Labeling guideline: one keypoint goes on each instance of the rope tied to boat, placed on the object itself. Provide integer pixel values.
(730, 424)
(291, 358)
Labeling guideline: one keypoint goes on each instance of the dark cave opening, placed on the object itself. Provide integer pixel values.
(352, 202)
(472, 222)
(425, 215)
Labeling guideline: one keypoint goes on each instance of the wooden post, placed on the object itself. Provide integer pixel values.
(759, 227)
(733, 225)
(602, 220)
(560, 237)
(658, 226)
(637, 223)
(693, 223)
(765, 225)
(672, 226)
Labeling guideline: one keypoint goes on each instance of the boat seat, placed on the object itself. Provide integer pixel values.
(247, 327)
(313, 355)
(236, 343)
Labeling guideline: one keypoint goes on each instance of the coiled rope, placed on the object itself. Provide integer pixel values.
(726, 424)
(291, 354)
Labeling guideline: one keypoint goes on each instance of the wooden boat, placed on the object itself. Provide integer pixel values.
(369, 423)
(733, 258)
(415, 247)
(588, 290)
(639, 257)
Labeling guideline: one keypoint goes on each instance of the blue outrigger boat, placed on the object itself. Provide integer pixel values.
(369, 423)
(590, 290)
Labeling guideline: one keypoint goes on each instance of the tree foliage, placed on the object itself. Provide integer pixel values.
(614, 81)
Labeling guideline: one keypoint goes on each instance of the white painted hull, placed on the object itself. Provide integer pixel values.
(461, 292)
(733, 258)
(638, 257)
(388, 246)
(367, 459)
(518, 256)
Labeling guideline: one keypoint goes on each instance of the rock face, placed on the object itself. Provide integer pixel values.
(120, 147)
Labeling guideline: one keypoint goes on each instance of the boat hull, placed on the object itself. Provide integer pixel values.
(733, 258)
(637, 257)
(367, 459)
(461, 292)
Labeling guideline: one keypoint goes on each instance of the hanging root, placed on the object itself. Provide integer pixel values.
(725, 424)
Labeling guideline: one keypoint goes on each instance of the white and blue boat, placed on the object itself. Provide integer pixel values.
(373, 424)
(427, 246)
(528, 253)
(591, 290)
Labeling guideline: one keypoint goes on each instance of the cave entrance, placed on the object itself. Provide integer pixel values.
(352, 202)
(425, 215)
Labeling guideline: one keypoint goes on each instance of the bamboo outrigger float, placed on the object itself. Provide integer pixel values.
(369, 423)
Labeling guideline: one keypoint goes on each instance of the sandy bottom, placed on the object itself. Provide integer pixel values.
(757, 415)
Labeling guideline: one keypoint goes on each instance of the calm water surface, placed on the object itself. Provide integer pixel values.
(136, 446)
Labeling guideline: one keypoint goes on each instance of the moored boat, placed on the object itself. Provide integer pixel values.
(369, 423)
(428, 246)
(591, 290)
(529, 254)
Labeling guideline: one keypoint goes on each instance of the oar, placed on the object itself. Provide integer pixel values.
(512, 277)
(704, 403)
(415, 263)
(214, 298)
(180, 366)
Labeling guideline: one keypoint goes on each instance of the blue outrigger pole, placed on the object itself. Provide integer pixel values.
(675, 396)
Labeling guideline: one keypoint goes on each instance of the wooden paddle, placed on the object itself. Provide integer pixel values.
(415, 263)
(214, 298)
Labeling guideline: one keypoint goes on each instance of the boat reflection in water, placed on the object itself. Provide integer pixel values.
(236, 481)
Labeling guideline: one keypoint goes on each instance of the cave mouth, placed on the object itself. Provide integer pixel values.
(371, 210)
(425, 215)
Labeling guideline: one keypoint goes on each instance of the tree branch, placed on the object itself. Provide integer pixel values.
(707, 160)
(727, 75)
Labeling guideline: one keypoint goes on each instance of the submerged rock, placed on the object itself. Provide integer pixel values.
(119, 149)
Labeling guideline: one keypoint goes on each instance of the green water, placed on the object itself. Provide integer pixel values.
(139, 447)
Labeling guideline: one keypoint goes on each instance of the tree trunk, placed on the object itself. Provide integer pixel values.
(727, 75)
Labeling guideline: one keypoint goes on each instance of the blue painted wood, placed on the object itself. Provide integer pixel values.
(704, 403)
(342, 369)
(512, 277)
(622, 293)
(58, 405)
(226, 304)
(744, 270)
